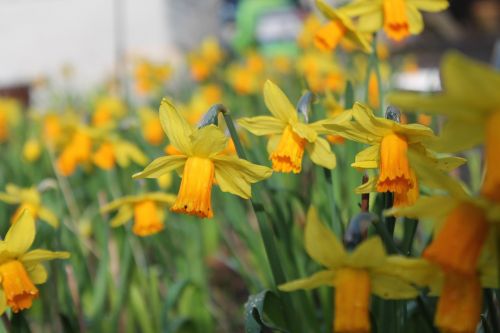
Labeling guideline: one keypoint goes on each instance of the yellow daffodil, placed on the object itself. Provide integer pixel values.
(306, 36)
(77, 151)
(150, 76)
(289, 136)
(398, 18)
(52, 129)
(114, 150)
(146, 210)
(107, 110)
(151, 127)
(9, 117)
(32, 150)
(243, 80)
(321, 73)
(28, 199)
(338, 27)
(20, 269)
(201, 162)
(391, 146)
(354, 276)
(204, 60)
(471, 103)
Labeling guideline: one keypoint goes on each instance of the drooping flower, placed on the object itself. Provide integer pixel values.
(338, 27)
(28, 199)
(290, 137)
(392, 148)
(354, 276)
(20, 269)
(471, 103)
(398, 18)
(201, 161)
(146, 210)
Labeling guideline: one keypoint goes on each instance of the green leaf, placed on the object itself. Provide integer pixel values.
(264, 310)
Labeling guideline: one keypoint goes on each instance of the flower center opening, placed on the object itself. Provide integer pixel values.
(491, 185)
(396, 24)
(395, 174)
(194, 197)
(17, 285)
(458, 244)
(352, 301)
(329, 35)
(288, 155)
(147, 221)
(460, 304)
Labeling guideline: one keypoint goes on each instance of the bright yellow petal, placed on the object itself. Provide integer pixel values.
(436, 208)
(115, 204)
(371, 21)
(321, 278)
(368, 158)
(390, 287)
(321, 244)
(125, 214)
(321, 153)
(304, 131)
(272, 143)
(368, 187)
(161, 166)
(37, 273)
(372, 125)
(175, 126)
(126, 152)
(430, 5)
(234, 175)
(355, 8)
(321, 126)
(262, 125)
(370, 253)
(416, 271)
(453, 138)
(9, 198)
(277, 103)
(208, 141)
(46, 215)
(415, 20)
(35, 256)
(21, 234)
(3, 302)
(160, 197)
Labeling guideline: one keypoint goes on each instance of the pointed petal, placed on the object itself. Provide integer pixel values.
(208, 141)
(321, 126)
(277, 103)
(321, 278)
(9, 198)
(430, 5)
(115, 204)
(368, 158)
(161, 166)
(125, 214)
(37, 273)
(368, 187)
(390, 287)
(416, 271)
(321, 153)
(160, 197)
(304, 131)
(370, 21)
(435, 208)
(46, 215)
(35, 256)
(3, 302)
(415, 20)
(234, 175)
(21, 234)
(175, 126)
(453, 138)
(370, 253)
(321, 244)
(262, 125)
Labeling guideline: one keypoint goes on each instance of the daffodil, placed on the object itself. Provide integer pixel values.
(355, 276)
(77, 151)
(338, 27)
(107, 110)
(201, 162)
(146, 210)
(398, 18)
(150, 76)
(21, 269)
(320, 72)
(9, 117)
(391, 146)
(28, 199)
(290, 137)
(150, 126)
(115, 150)
(471, 103)
(32, 150)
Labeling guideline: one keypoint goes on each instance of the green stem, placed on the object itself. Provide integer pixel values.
(337, 225)
(376, 67)
(409, 235)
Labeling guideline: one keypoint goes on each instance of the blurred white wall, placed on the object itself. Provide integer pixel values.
(39, 36)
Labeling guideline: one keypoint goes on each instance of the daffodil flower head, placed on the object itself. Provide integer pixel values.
(398, 18)
(20, 269)
(9, 116)
(355, 275)
(290, 136)
(28, 199)
(201, 161)
(339, 26)
(146, 210)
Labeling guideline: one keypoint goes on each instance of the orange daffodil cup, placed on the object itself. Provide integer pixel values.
(355, 276)
(21, 269)
(398, 18)
(201, 161)
(289, 135)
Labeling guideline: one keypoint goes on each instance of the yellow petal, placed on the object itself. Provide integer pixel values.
(376, 126)
(321, 153)
(9, 198)
(37, 273)
(356, 8)
(368, 158)
(452, 137)
(272, 143)
(125, 214)
(35, 256)
(175, 126)
(161, 166)
(21, 234)
(415, 19)
(436, 208)
(159, 197)
(370, 253)
(368, 187)
(234, 175)
(415, 271)
(277, 103)
(430, 5)
(115, 204)
(321, 126)
(262, 125)
(321, 244)
(370, 21)
(3, 302)
(321, 278)
(390, 287)
(126, 152)
(304, 131)
(47, 216)
(359, 40)
(208, 141)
